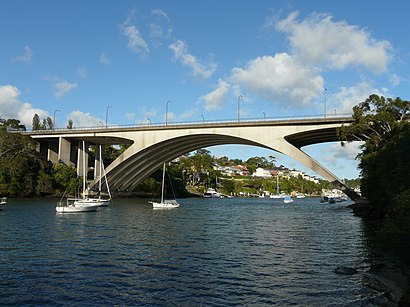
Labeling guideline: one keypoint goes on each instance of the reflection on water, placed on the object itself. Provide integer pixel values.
(207, 251)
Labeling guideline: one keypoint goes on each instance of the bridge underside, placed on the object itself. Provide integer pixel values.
(133, 170)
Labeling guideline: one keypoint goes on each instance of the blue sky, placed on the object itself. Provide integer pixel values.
(79, 57)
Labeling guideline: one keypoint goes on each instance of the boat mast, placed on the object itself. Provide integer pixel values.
(84, 172)
(163, 184)
(99, 183)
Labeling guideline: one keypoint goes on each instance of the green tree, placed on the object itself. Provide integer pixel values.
(36, 122)
(382, 125)
(20, 164)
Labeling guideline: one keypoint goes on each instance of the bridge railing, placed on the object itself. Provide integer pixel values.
(195, 123)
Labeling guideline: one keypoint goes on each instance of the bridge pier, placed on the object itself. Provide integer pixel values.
(98, 162)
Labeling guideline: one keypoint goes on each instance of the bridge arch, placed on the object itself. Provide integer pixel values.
(151, 145)
(141, 164)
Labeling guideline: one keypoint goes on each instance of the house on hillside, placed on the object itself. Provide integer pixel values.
(260, 172)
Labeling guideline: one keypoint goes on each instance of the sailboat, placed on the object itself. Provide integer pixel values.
(277, 195)
(164, 203)
(99, 200)
(78, 204)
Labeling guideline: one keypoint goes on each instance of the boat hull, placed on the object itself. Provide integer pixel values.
(165, 205)
(76, 206)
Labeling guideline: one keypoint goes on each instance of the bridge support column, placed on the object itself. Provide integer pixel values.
(52, 151)
(64, 151)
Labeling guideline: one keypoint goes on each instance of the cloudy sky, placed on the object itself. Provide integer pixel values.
(73, 59)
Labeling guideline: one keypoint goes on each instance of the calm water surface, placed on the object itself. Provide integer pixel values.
(213, 252)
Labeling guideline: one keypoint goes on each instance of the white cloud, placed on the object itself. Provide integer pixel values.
(341, 161)
(12, 107)
(63, 88)
(136, 42)
(319, 40)
(216, 99)
(348, 97)
(81, 119)
(26, 57)
(279, 78)
(104, 59)
(182, 54)
(160, 13)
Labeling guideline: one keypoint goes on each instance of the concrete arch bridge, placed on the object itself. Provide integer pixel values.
(152, 145)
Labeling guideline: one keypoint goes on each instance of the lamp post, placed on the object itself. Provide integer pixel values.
(324, 97)
(264, 116)
(239, 99)
(166, 113)
(106, 117)
(203, 118)
(54, 118)
(149, 119)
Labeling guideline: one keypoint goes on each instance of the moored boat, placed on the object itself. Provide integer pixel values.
(164, 203)
(211, 193)
(3, 202)
(288, 199)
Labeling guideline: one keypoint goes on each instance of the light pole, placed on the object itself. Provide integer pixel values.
(324, 97)
(106, 117)
(54, 118)
(264, 116)
(149, 119)
(166, 113)
(239, 99)
(203, 118)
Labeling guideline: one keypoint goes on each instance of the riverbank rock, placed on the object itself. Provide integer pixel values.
(389, 284)
(345, 270)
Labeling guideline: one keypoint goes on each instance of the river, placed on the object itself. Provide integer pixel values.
(213, 252)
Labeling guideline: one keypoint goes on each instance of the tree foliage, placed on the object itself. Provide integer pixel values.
(382, 125)
(20, 164)
(47, 123)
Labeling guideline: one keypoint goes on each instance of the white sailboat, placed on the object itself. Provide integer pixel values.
(102, 202)
(277, 195)
(78, 204)
(164, 203)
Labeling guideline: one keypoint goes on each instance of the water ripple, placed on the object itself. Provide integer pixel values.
(224, 252)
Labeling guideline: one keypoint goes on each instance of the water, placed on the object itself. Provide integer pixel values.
(213, 252)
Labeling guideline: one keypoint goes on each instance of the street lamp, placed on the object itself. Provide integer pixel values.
(264, 116)
(149, 119)
(203, 118)
(324, 96)
(106, 117)
(166, 113)
(54, 118)
(239, 99)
